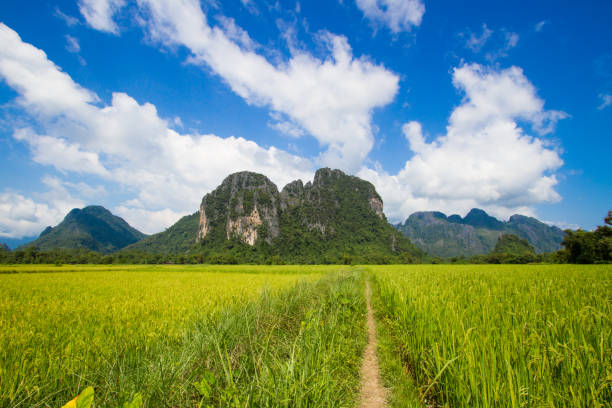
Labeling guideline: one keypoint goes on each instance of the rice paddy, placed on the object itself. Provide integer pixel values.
(294, 336)
(498, 336)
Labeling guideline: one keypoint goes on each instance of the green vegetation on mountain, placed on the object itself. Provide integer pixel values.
(93, 228)
(178, 238)
(478, 218)
(511, 244)
(475, 234)
(335, 219)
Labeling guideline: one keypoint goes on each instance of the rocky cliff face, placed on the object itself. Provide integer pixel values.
(330, 216)
(244, 206)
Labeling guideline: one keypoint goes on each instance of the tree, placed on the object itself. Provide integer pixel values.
(589, 246)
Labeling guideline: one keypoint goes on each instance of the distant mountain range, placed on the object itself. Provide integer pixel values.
(93, 228)
(13, 243)
(475, 234)
(334, 217)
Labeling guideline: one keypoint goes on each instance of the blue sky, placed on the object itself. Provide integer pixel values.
(145, 106)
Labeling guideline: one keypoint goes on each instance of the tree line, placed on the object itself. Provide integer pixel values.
(579, 246)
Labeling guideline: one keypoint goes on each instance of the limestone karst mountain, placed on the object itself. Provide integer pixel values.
(476, 233)
(335, 215)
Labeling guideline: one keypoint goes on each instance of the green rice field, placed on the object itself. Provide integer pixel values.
(293, 336)
(497, 336)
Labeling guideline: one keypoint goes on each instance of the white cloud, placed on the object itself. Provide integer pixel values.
(287, 128)
(475, 43)
(511, 40)
(72, 44)
(69, 20)
(250, 6)
(59, 188)
(539, 26)
(145, 220)
(606, 100)
(60, 153)
(285, 125)
(563, 225)
(499, 43)
(126, 142)
(43, 88)
(22, 216)
(99, 13)
(485, 159)
(397, 15)
(332, 98)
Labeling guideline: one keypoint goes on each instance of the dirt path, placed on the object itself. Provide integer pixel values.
(373, 394)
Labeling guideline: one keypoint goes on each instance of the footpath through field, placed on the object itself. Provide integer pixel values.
(373, 394)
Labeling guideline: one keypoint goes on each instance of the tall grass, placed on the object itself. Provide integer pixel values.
(501, 336)
(160, 334)
(300, 349)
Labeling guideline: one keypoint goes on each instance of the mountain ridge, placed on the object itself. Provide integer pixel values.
(247, 217)
(93, 227)
(476, 233)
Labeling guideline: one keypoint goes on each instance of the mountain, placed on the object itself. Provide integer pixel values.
(16, 242)
(475, 234)
(94, 228)
(477, 218)
(247, 219)
(178, 238)
(513, 245)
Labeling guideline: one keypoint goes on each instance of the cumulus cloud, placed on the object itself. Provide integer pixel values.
(60, 153)
(99, 13)
(284, 126)
(397, 15)
(147, 221)
(330, 98)
(22, 216)
(485, 159)
(126, 142)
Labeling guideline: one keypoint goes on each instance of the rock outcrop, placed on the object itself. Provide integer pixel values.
(248, 206)
(245, 206)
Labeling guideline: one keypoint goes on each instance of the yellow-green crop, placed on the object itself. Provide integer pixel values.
(62, 328)
(502, 336)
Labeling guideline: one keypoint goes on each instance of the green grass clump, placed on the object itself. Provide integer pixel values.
(500, 336)
(300, 349)
(180, 336)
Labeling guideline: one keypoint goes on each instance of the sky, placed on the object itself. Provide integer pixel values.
(145, 106)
